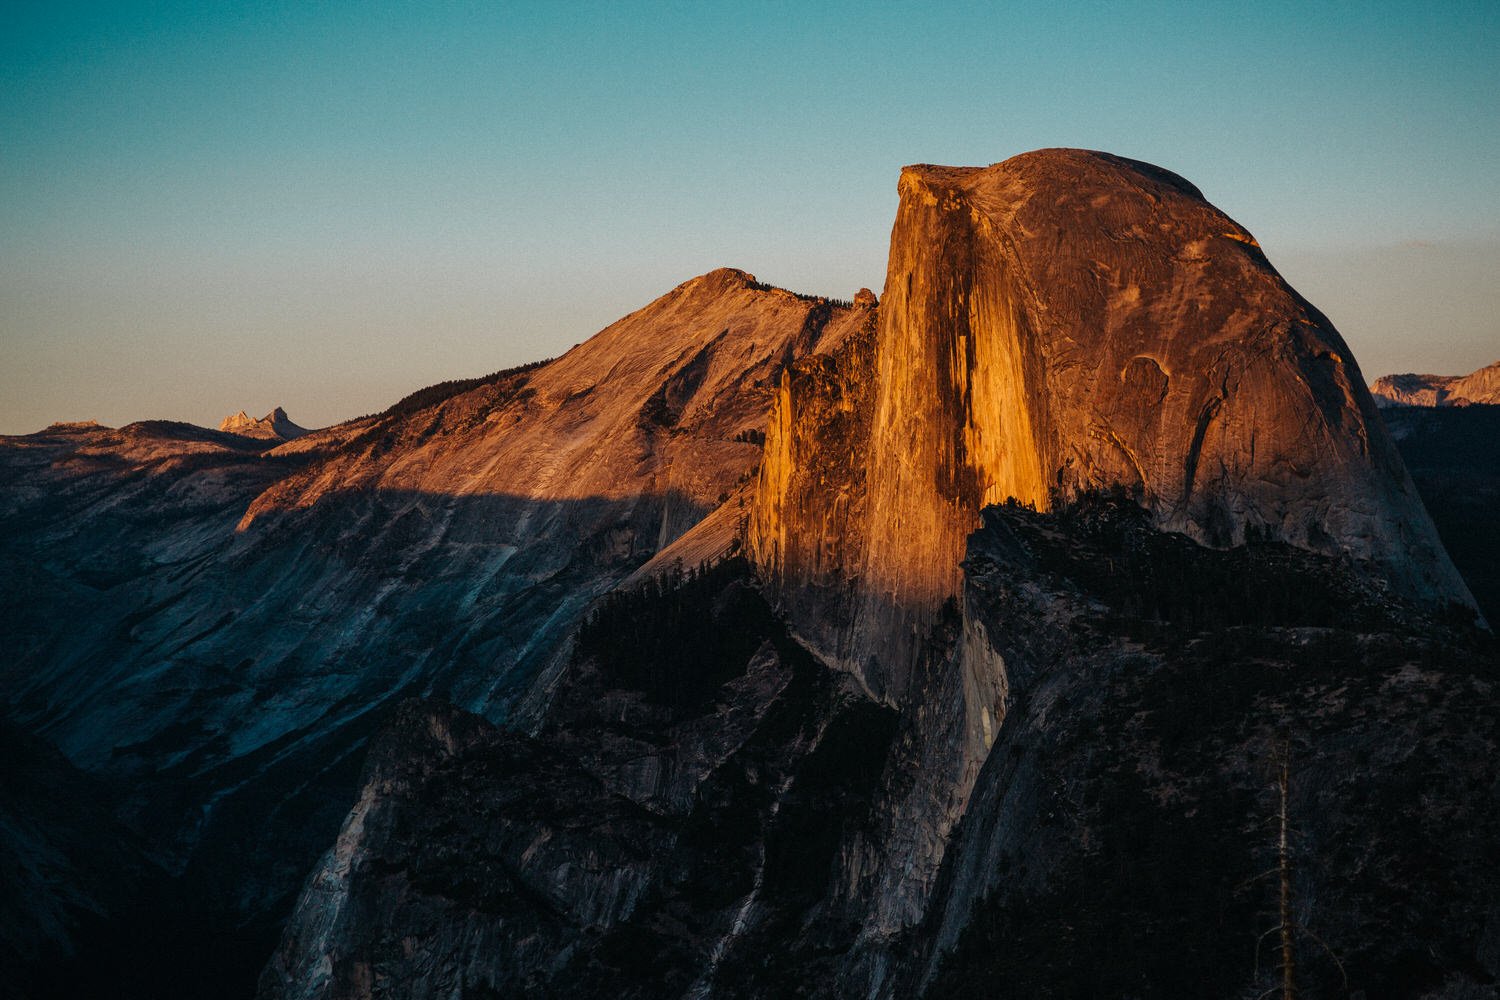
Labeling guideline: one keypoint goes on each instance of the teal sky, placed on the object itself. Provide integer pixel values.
(207, 207)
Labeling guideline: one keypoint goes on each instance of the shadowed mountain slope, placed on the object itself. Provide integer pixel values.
(709, 810)
(1452, 454)
(217, 627)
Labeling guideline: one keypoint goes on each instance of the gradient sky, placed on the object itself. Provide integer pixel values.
(207, 207)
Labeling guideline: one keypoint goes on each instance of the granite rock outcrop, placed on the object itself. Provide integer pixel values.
(1065, 321)
(710, 810)
(1087, 449)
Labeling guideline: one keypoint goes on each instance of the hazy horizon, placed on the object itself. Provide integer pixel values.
(204, 210)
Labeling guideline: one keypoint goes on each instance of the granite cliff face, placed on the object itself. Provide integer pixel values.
(1122, 833)
(1065, 321)
(1060, 323)
(677, 814)
(1481, 387)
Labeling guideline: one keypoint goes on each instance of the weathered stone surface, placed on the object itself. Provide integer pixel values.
(980, 377)
(1121, 839)
(809, 521)
(655, 839)
(922, 760)
(1060, 322)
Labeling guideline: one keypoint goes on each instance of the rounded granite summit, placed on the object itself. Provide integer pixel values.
(1067, 321)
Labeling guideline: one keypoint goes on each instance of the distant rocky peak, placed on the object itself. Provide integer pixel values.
(1480, 387)
(275, 424)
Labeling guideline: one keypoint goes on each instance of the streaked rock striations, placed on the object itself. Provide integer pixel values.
(834, 805)
(1062, 322)
(707, 810)
(677, 813)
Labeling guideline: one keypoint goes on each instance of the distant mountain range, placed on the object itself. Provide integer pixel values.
(1480, 387)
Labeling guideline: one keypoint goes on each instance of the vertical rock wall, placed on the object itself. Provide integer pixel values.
(1065, 321)
(1061, 322)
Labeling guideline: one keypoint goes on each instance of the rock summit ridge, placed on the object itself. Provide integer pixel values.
(274, 425)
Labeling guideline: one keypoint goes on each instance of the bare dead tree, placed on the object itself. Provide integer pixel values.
(1287, 925)
(1284, 867)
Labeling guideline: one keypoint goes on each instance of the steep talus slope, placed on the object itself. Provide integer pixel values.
(1069, 320)
(1480, 388)
(218, 629)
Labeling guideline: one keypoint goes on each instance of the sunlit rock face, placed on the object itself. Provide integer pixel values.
(275, 425)
(1479, 387)
(1482, 386)
(1062, 321)
(652, 405)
